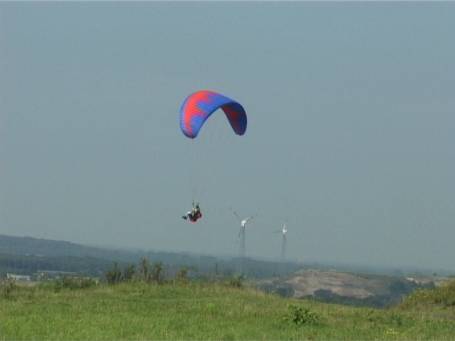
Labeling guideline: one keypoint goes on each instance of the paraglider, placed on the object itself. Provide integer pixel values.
(198, 107)
(194, 112)
(194, 215)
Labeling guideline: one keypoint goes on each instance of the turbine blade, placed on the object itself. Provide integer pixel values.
(235, 213)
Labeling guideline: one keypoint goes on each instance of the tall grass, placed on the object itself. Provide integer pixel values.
(443, 296)
(198, 310)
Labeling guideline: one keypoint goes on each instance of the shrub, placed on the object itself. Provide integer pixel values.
(300, 316)
(443, 296)
(128, 273)
(157, 272)
(7, 287)
(68, 282)
(182, 275)
(236, 281)
(396, 320)
(144, 269)
(114, 275)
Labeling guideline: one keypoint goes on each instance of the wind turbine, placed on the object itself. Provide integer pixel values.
(242, 234)
(283, 232)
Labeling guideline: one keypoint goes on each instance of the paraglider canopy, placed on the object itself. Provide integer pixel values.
(198, 107)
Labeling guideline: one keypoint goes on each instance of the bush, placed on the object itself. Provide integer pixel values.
(182, 275)
(73, 283)
(443, 296)
(114, 275)
(300, 316)
(236, 281)
(144, 269)
(144, 272)
(128, 273)
(7, 287)
(157, 274)
(446, 295)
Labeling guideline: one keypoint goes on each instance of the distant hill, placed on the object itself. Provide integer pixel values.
(58, 248)
(26, 255)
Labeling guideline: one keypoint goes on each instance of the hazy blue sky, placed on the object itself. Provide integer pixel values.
(351, 110)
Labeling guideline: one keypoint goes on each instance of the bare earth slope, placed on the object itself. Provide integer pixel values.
(342, 287)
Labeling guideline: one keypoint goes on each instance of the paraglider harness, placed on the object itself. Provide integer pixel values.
(194, 215)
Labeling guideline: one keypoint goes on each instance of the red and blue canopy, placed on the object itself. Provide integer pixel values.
(198, 107)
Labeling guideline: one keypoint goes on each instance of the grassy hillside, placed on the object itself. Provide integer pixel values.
(432, 303)
(205, 311)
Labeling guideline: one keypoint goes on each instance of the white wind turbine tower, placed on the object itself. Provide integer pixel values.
(283, 232)
(242, 235)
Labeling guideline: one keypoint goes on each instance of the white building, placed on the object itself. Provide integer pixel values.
(19, 278)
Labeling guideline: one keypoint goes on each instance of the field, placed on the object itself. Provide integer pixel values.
(139, 311)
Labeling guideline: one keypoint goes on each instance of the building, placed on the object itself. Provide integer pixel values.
(18, 278)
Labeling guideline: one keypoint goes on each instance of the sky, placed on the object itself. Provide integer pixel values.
(351, 112)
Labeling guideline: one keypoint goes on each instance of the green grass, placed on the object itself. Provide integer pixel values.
(202, 311)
